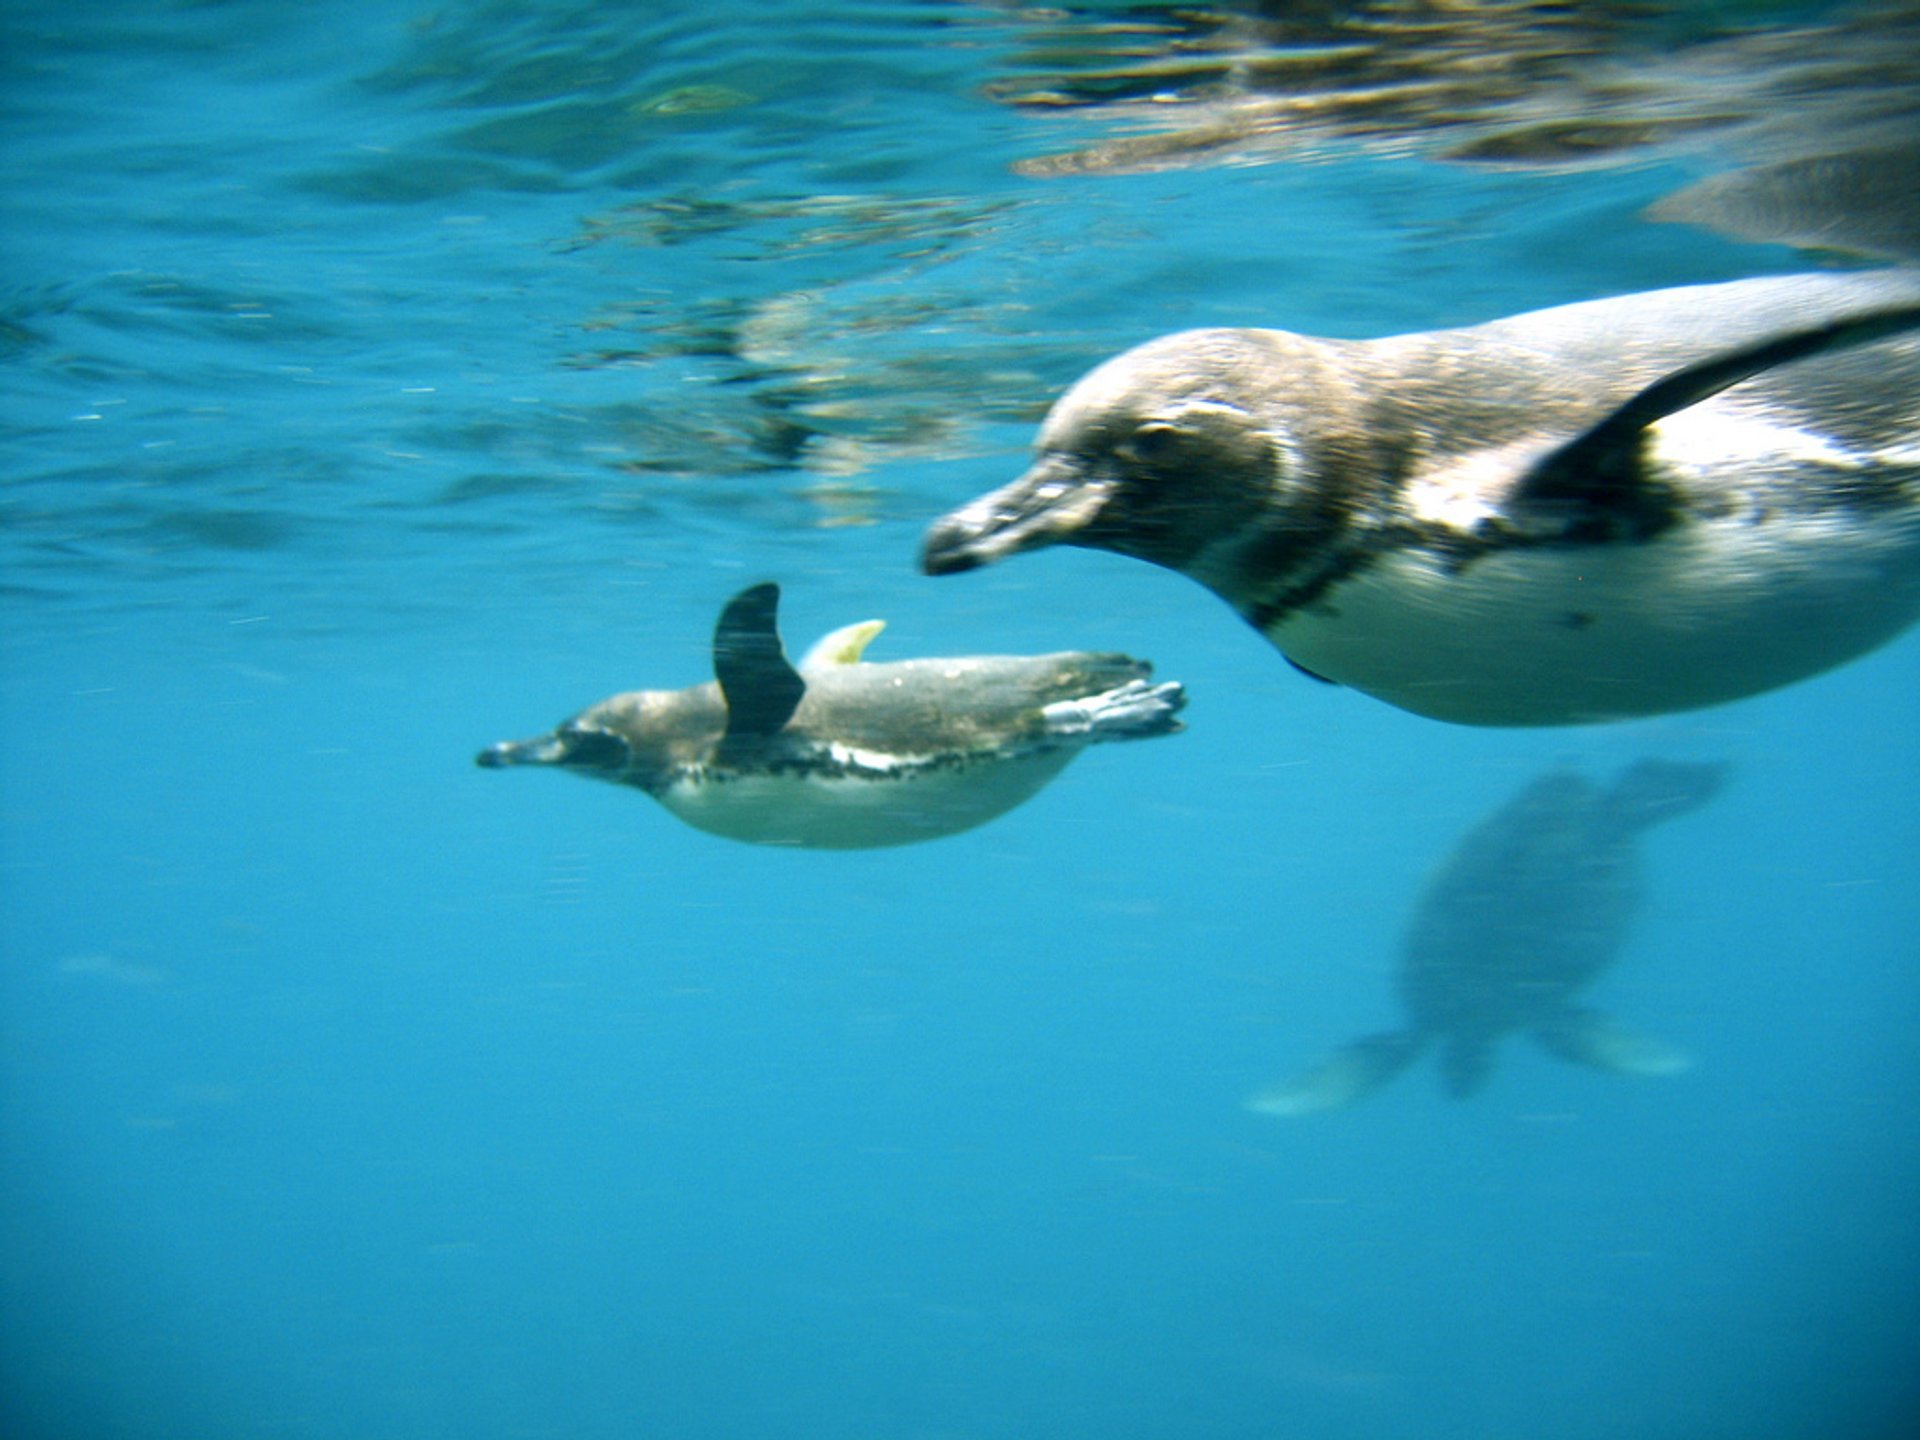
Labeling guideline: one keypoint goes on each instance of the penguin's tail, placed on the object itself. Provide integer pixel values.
(1351, 1073)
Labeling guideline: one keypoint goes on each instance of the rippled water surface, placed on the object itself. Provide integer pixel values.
(384, 380)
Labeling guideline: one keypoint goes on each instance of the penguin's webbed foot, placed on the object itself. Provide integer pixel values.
(1132, 711)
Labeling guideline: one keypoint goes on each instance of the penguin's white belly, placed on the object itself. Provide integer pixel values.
(1707, 611)
(877, 801)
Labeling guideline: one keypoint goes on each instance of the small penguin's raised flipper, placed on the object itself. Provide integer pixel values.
(1587, 1037)
(844, 646)
(1133, 711)
(1592, 489)
(1351, 1073)
(762, 690)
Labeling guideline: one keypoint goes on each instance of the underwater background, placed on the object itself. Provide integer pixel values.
(385, 380)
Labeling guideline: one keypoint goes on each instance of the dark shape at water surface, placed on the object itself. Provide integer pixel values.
(1863, 202)
(1531, 908)
(839, 754)
(1506, 82)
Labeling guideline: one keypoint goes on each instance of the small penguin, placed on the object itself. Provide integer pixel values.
(1530, 908)
(841, 754)
(1604, 510)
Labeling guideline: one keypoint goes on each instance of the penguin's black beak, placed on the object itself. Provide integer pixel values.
(1048, 505)
(569, 745)
(543, 750)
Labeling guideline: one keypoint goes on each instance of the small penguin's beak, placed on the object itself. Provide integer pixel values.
(1048, 505)
(569, 745)
(542, 750)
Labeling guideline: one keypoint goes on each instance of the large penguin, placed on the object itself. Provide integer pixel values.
(1609, 509)
(1531, 907)
(841, 754)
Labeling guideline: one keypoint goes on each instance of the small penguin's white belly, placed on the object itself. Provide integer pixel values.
(1706, 612)
(885, 801)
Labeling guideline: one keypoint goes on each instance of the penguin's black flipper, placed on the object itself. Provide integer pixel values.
(1593, 489)
(762, 690)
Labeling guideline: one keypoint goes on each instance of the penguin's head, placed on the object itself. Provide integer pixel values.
(573, 745)
(640, 738)
(1181, 452)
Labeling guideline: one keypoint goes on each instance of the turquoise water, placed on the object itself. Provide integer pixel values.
(382, 381)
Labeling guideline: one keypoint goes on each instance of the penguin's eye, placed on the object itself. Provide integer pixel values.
(1154, 440)
(593, 749)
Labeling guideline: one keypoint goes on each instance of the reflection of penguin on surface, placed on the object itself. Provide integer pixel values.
(1617, 508)
(842, 754)
(1531, 906)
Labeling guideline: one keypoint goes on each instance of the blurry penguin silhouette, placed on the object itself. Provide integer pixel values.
(1531, 907)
